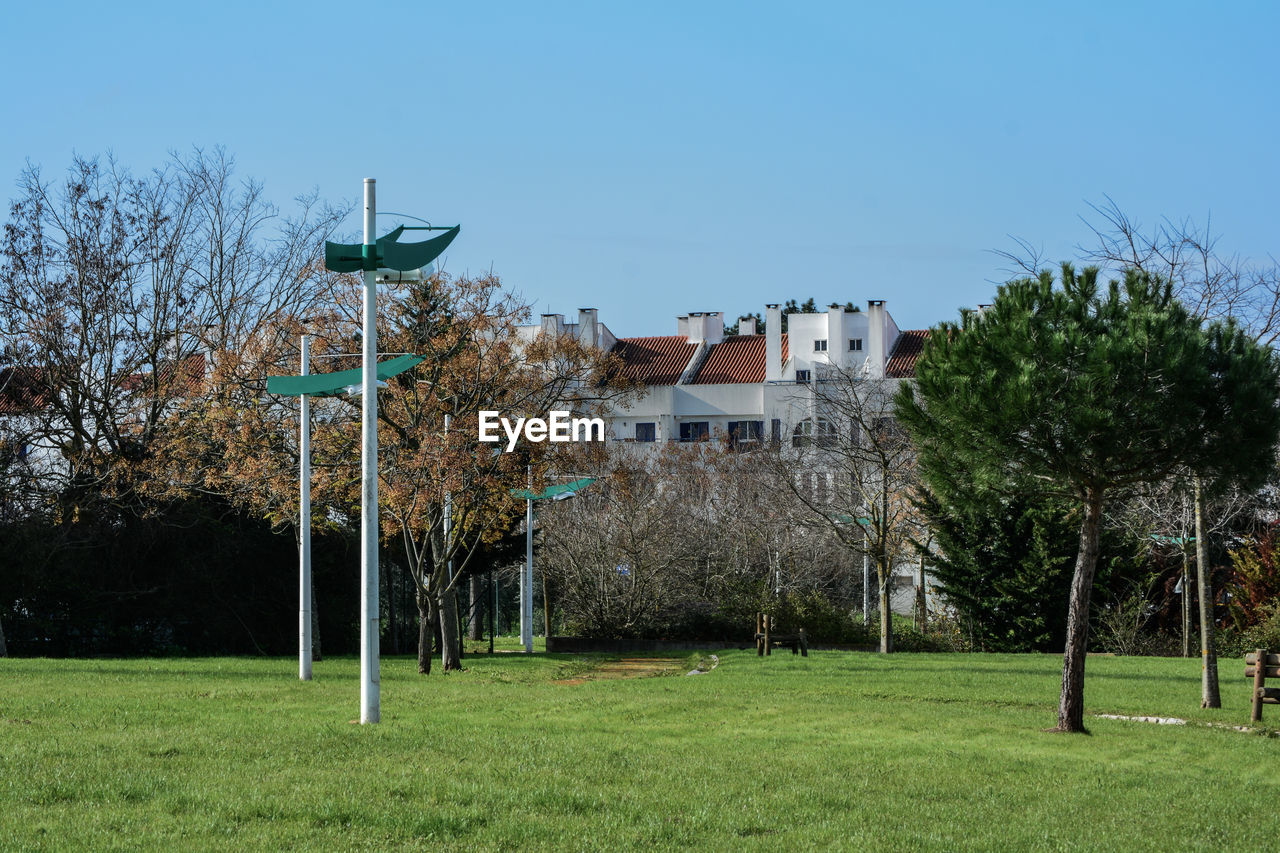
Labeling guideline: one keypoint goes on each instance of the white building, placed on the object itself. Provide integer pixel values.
(747, 387)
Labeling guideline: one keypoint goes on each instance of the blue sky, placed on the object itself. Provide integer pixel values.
(651, 159)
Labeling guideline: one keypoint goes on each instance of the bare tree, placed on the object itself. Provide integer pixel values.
(120, 294)
(1164, 517)
(852, 468)
(667, 535)
(631, 549)
(1212, 284)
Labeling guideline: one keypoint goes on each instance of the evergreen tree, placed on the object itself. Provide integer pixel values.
(791, 307)
(1004, 563)
(1076, 393)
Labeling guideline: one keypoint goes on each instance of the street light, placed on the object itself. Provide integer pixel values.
(305, 386)
(375, 255)
(382, 260)
(554, 493)
(304, 522)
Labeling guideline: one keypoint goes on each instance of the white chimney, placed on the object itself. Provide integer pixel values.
(553, 325)
(876, 337)
(587, 326)
(682, 325)
(772, 343)
(713, 327)
(705, 326)
(836, 343)
(747, 326)
(697, 327)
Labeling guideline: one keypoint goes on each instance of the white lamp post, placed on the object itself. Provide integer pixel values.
(526, 577)
(387, 261)
(370, 666)
(304, 525)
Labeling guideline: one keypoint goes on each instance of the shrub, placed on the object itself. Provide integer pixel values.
(1265, 634)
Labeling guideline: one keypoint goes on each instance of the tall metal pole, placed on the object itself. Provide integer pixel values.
(304, 526)
(1186, 601)
(370, 676)
(526, 579)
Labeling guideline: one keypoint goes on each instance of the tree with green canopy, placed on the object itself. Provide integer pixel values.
(1082, 392)
(1004, 563)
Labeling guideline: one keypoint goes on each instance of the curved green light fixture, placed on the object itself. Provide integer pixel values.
(390, 253)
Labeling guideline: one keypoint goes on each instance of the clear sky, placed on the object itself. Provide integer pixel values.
(656, 158)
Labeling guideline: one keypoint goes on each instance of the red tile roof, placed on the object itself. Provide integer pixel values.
(736, 359)
(180, 379)
(654, 361)
(906, 350)
(22, 390)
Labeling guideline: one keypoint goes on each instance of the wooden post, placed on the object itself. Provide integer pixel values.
(1259, 682)
(759, 630)
(767, 649)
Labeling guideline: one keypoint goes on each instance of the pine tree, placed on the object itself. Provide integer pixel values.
(1004, 563)
(1076, 393)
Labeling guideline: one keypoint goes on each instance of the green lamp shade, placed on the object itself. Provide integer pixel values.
(563, 490)
(333, 384)
(390, 253)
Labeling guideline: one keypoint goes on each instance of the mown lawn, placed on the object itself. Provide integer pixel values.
(839, 750)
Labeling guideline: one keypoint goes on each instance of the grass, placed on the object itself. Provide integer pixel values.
(838, 750)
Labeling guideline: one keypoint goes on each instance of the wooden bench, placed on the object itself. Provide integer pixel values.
(766, 641)
(1260, 666)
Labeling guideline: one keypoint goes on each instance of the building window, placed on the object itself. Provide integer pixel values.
(855, 344)
(775, 430)
(822, 488)
(820, 345)
(745, 435)
(646, 432)
(802, 377)
(695, 430)
(815, 487)
(808, 432)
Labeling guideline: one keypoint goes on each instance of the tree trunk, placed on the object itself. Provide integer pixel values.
(426, 631)
(1071, 703)
(450, 656)
(546, 606)
(886, 571)
(315, 628)
(1209, 697)
(922, 601)
(4, 650)
(475, 613)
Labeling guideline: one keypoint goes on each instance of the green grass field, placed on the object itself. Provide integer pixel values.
(838, 750)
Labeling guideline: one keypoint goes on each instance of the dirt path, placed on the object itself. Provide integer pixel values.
(627, 668)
